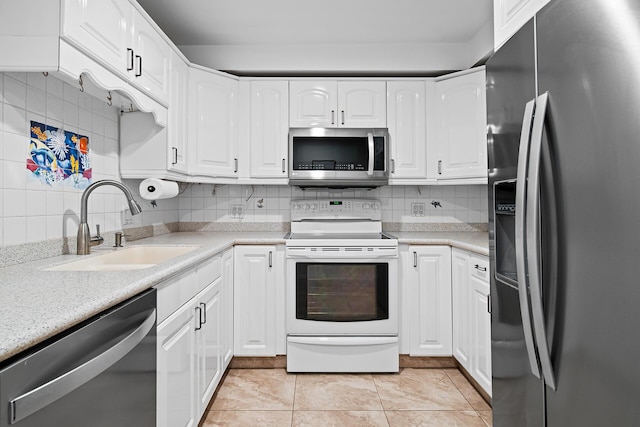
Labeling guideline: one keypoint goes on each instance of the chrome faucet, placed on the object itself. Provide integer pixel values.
(84, 236)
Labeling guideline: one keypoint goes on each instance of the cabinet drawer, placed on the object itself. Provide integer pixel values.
(208, 271)
(479, 267)
(174, 292)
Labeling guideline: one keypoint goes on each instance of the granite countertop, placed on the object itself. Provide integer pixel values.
(477, 242)
(38, 304)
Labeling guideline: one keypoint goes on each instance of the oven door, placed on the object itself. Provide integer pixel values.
(342, 295)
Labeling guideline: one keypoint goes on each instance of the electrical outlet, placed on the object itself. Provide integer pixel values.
(417, 209)
(127, 218)
(237, 211)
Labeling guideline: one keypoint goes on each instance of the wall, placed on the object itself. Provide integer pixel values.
(459, 204)
(31, 211)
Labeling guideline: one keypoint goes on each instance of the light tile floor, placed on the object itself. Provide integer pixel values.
(413, 397)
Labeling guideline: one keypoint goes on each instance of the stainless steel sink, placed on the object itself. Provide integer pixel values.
(133, 258)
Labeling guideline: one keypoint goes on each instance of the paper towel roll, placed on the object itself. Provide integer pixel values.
(154, 189)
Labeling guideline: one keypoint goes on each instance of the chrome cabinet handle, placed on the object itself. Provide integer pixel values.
(533, 239)
(333, 114)
(130, 65)
(38, 398)
(342, 116)
(521, 271)
(371, 154)
(139, 72)
(393, 166)
(235, 167)
(199, 318)
(439, 167)
(415, 259)
(175, 156)
(270, 259)
(489, 303)
(203, 312)
(284, 163)
(477, 267)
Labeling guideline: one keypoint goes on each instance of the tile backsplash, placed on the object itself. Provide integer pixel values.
(435, 204)
(31, 211)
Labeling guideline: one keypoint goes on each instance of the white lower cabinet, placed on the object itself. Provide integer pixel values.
(255, 300)
(471, 315)
(192, 342)
(426, 295)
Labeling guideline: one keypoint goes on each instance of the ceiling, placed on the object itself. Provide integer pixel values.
(242, 23)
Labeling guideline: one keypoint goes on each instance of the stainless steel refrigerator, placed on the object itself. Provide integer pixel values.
(563, 106)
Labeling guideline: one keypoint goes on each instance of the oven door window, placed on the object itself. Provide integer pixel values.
(342, 292)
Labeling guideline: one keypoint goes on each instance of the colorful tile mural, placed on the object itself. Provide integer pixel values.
(57, 157)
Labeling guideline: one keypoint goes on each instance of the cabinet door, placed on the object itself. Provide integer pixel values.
(178, 115)
(462, 122)
(313, 104)
(269, 129)
(213, 109)
(431, 301)
(254, 301)
(208, 343)
(510, 15)
(103, 29)
(227, 308)
(176, 369)
(406, 117)
(151, 59)
(461, 305)
(481, 322)
(362, 104)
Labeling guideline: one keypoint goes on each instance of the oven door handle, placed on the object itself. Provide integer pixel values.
(343, 341)
(338, 256)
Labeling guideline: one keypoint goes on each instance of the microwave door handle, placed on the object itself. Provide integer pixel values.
(370, 141)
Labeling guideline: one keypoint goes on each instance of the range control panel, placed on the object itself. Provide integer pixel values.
(365, 209)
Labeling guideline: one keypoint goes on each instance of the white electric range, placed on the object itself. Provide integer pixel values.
(342, 288)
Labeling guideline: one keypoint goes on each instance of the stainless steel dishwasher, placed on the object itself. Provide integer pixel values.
(100, 373)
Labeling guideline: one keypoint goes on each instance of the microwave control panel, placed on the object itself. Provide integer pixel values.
(328, 165)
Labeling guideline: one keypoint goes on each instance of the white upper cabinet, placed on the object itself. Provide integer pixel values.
(269, 123)
(362, 104)
(115, 34)
(461, 127)
(103, 29)
(213, 110)
(313, 103)
(510, 15)
(406, 117)
(151, 55)
(178, 115)
(328, 103)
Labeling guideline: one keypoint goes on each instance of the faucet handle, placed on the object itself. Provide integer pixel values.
(97, 239)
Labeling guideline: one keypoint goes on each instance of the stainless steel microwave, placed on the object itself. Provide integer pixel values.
(338, 158)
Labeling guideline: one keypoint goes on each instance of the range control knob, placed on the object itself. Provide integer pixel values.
(375, 206)
(314, 207)
(365, 206)
(296, 206)
(305, 207)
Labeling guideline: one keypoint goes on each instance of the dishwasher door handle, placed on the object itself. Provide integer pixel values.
(38, 398)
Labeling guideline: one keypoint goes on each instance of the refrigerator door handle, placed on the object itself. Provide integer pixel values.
(521, 271)
(533, 239)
